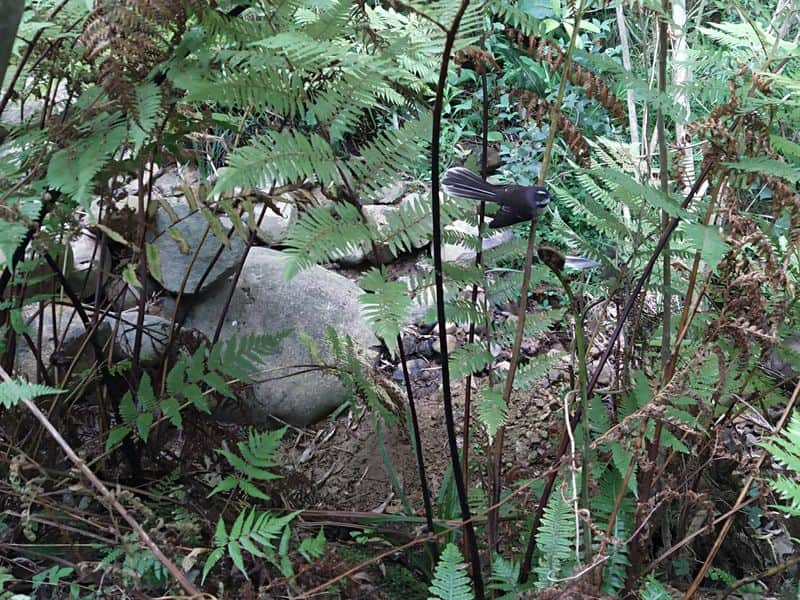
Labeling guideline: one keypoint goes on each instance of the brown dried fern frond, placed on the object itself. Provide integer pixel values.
(553, 57)
(126, 40)
(476, 59)
(536, 108)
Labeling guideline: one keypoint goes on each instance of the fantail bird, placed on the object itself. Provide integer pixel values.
(518, 203)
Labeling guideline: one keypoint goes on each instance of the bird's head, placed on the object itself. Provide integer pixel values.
(537, 199)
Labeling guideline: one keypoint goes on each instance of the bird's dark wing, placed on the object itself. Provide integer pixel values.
(506, 216)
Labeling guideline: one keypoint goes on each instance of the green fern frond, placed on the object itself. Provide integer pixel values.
(146, 111)
(763, 165)
(320, 237)
(614, 572)
(254, 532)
(355, 375)
(504, 577)
(653, 589)
(505, 288)
(535, 324)
(514, 17)
(324, 23)
(253, 463)
(450, 579)
(599, 209)
(468, 359)
(278, 158)
(15, 390)
(785, 449)
(537, 367)
(410, 223)
(555, 541)
(385, 305)
(459, 310)
(235, 29)
(72, 170)
(389, 153)
(243, 356)
(266, 89)
(492, 409)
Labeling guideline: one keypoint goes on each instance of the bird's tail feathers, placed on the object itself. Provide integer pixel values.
(463, 183)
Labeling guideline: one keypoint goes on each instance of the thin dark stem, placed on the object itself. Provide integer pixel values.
(479, 264)
(447, 399)
(143, 268)
(646, 481)
(412, 407)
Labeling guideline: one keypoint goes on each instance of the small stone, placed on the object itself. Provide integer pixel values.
(425, 347)
(449, 327)
(452, 344)
(274, 228)
(155, 333)
(390, 193)
(415, 369)
(409, 344)
(121, 295)
(91, 265)
(355, 256)
(606, 376)
(320, 199)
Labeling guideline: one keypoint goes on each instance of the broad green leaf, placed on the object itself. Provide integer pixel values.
(708, 241)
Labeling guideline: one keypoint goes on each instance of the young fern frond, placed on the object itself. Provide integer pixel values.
(468, 359)
(12, 392)
(492, 409)
(535, 324)
(410, 224)
(614, 570)
(356, 376)
(450, 579)
(385, 305)
(255, 458)
(389, 153)
(555, 541)
(72, 170)
(504, 578)
(254, 532)
(533, 371)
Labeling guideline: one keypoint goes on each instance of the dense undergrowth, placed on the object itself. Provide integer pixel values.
(667, 138)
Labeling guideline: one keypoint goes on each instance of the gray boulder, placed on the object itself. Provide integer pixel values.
(264, 302)
(177, 244)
